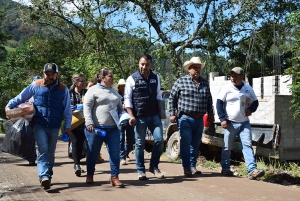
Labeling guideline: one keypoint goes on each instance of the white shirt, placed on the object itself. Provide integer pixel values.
(230, 95)
(130, 86)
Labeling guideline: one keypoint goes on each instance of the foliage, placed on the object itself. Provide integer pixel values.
(3, 37)
(90, 25)
(97, 34)
(1, 127)
(294, 69)
(19, 32)
(27, 61)
(208, 26)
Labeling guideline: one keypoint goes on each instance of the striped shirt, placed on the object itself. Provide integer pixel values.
(189, 98)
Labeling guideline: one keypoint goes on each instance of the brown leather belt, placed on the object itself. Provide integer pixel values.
(194, 115)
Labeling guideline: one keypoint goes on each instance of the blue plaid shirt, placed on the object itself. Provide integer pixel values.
(189, 98)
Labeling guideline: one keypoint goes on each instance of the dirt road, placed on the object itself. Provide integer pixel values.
(18, 181)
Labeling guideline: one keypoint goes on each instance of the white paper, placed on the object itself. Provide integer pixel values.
(245, 102)
(115, 115)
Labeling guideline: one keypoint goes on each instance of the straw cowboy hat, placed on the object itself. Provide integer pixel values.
(194, 60)
(121, 82)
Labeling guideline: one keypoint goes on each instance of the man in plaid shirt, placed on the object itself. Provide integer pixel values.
(189, 100)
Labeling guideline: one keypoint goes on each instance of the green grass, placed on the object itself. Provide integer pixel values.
(165, 158)
(211, 164)
(294, 169)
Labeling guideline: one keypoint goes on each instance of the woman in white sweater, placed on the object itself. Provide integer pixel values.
(99, 101)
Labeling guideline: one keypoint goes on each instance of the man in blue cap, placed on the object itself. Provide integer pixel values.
(52, 103)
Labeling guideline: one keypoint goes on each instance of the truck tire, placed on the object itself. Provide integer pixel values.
(173, 146)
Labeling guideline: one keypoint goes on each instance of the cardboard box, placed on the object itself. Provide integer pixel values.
(20, 112)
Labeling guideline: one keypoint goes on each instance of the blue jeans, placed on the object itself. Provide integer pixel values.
(153, 123)
(46, 139)
(94, 142)
(190, 130)
(126, 145)
(243, 131)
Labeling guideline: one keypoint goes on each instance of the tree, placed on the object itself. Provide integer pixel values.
(90, 26)
(27, 61)
(209, 26)
(294, 44)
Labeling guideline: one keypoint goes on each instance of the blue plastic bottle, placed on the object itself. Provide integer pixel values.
(65, 137)
(100, 132)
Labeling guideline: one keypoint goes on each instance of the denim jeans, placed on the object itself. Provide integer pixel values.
(46, 139)
(126, 144)
(243, 131)
(153, 123)
(190, 130)
(94, 144)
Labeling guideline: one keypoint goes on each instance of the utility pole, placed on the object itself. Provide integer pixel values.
(249, 53)
(276, 60)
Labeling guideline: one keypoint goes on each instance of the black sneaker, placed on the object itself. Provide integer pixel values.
(227, 172)
(157, 173)
(187, 172)
(77, 170)
(195, 171)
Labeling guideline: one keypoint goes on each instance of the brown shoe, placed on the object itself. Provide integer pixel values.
(256, 174)
(114, 181)
(89, 179)
(45, 183)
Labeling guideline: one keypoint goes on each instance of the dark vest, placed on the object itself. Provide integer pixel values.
(49, 104)
(144, 95)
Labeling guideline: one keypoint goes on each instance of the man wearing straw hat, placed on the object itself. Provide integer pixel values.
(190, 99)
